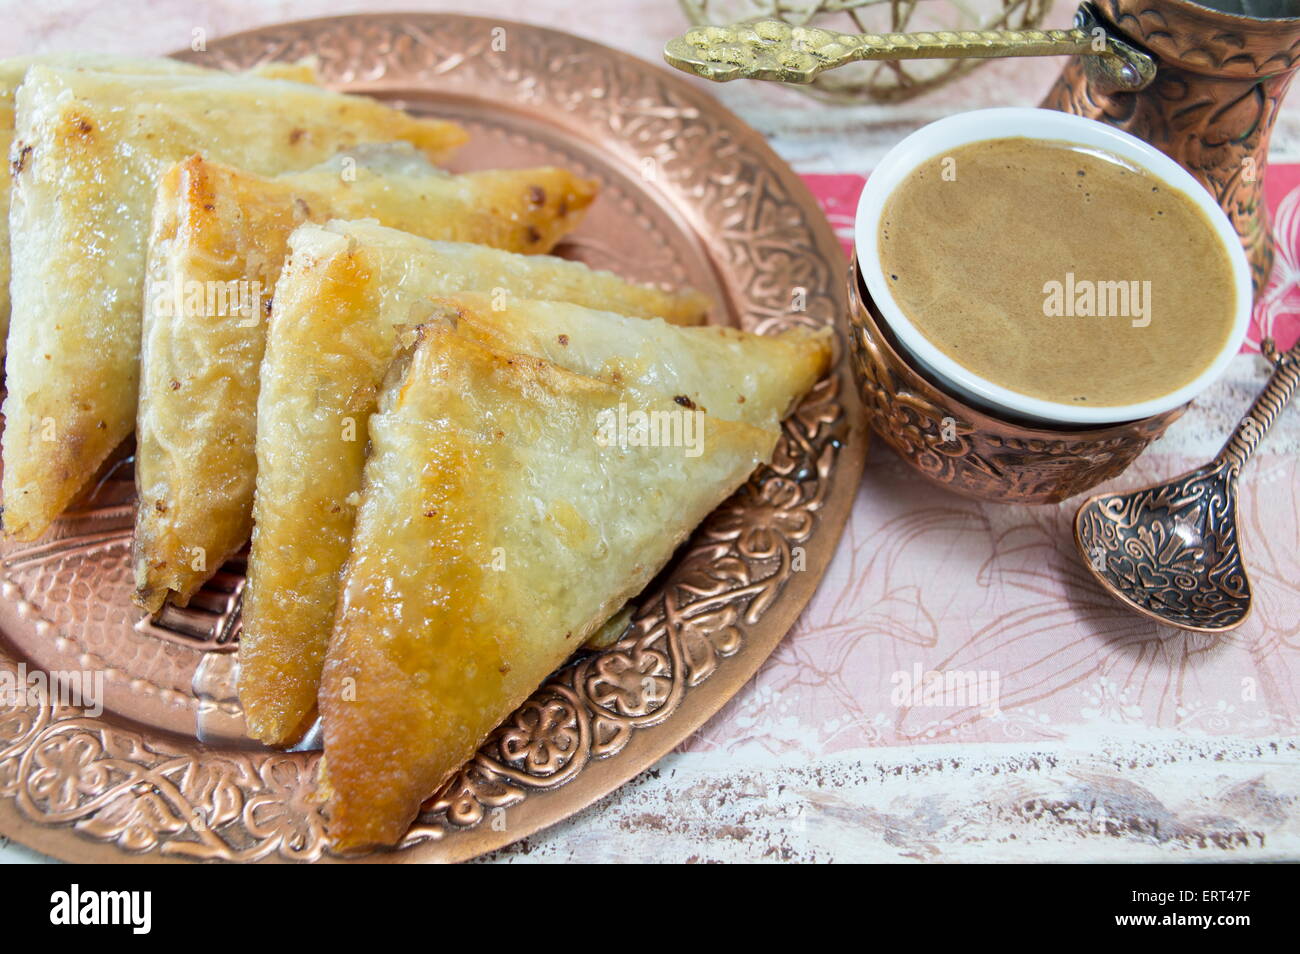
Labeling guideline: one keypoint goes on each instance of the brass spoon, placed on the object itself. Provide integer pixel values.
(778, 51)
(1172, 552)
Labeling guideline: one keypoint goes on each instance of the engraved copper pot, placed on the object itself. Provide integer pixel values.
(971, 452)
(1218, 85)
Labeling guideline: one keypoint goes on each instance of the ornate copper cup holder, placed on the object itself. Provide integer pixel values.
(969, 450)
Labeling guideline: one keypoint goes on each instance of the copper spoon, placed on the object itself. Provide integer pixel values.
(1172, 552)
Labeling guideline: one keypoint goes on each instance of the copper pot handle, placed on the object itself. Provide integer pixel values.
(783, 53)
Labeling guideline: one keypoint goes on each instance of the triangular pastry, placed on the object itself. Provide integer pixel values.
(340, 300)
(218, 228)
(414, 270)
(87, 154)
(726, 372)
(496, 532)
(732, 374)
(11, 75)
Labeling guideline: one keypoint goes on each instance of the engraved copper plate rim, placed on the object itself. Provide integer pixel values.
(705, 201)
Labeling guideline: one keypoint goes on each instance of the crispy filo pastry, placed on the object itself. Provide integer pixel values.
(496, 533)
(89, 149)
(726, 372)
(216, 227)
(343, 294)
(723, 371)
(11, 75)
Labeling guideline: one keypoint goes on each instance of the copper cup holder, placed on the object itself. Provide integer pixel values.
(969, 451)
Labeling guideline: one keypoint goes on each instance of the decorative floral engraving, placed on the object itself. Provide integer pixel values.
(976, 454)
(1172, 550)
(1176, 530)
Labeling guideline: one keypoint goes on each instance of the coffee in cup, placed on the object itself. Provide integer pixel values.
(1058, 271)
(1051, 269)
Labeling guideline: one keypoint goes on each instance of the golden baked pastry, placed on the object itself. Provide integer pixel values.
(11, 75)
(218, 228)
(88, 150)
(495, 534)
(726, 372)
(341, 298)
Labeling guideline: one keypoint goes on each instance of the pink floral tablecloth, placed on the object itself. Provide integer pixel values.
(1108, 738)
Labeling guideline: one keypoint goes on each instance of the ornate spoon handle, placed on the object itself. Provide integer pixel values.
(1253, 427)
(774, 50)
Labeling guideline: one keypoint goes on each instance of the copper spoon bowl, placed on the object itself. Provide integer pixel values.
(1172, 552)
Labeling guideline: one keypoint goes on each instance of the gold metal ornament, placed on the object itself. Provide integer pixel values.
(878, 81)
(780, 52)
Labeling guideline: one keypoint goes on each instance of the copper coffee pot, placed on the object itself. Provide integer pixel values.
(1202, 84)
(1211, 107)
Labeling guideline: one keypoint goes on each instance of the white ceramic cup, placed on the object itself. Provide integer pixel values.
(941, 137)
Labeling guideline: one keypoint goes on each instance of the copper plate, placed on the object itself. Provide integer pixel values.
(690, 195)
